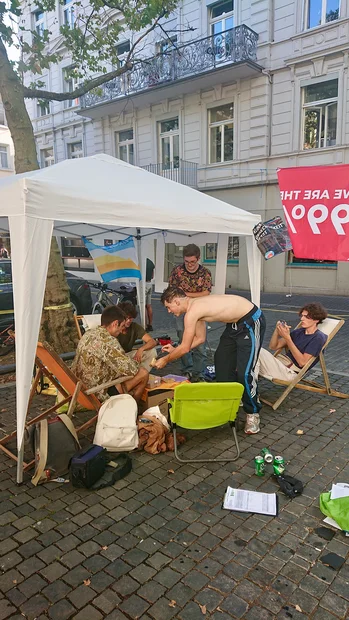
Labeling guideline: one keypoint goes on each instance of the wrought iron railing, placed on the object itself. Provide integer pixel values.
(181, 171)
(232, 46)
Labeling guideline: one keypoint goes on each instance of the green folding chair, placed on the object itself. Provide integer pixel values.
(199, 406)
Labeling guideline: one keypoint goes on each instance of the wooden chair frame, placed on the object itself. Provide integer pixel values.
(305, 384)
(79, 392)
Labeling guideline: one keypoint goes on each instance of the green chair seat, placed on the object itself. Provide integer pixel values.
(199, 406)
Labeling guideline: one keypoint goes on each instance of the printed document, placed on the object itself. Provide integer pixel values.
(250, 501)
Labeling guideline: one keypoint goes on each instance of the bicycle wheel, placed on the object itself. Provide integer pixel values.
(97, 308)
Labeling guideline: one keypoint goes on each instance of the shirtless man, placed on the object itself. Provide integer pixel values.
(239, 346)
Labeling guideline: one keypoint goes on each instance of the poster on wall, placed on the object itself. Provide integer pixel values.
(315, 201)
(272, 237)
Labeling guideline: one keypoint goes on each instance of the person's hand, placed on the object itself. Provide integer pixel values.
(161, 363)
(283, 330)
(167, 348)
(138, 356)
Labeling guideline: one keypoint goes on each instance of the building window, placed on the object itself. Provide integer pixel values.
(318, 12)
(166, 46)
(210, 252)
(124, 145)
(3, 156)
(320, 114)
(68, 13)
(122, 51)
(75, 255)
(47, 157)
(169, 143)
(42, 107)
(2, 117)
(70, 83)
(222, 16)
(221, 133)
(39, 22)
(75, 150)
(308, 262)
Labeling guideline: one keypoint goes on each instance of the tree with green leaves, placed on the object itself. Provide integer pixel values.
(91, 41)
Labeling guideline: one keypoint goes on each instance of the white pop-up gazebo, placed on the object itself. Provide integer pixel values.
(102, 190)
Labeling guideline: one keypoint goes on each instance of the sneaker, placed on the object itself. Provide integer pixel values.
(252, 423)
(149, 328)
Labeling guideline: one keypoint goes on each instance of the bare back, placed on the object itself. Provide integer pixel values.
(224, 308)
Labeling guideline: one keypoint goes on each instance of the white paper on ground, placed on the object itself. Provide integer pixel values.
(330, 521)
(250, 501)
(341, 489)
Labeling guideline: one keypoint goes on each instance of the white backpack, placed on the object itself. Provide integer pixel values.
(116, 428)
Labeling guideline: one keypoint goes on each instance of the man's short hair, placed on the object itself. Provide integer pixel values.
(315, 311)
(128, 308)
(191, 250)
(171, 293)
(111, 314)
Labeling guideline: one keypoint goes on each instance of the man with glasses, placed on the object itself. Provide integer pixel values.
(196, 281)
(302, 344)
(134, 331)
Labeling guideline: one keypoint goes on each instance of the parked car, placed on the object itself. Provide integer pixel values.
(80, 294)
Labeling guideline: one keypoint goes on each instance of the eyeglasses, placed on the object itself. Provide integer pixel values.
(191, 262)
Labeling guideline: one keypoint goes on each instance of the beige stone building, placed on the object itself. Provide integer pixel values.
(253, 86)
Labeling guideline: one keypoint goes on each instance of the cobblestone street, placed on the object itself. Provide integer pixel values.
(158, 545)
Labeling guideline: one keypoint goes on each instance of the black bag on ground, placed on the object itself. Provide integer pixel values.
(87, 466)
(54, 441)
(290, 486)
(119, 465)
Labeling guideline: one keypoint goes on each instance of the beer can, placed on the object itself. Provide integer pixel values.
(279, 465)
(267, 455)
(259, 466)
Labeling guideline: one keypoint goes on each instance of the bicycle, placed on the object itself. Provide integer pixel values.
(7, 341)
(106, 297)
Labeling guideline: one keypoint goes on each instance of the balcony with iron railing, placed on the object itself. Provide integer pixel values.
(181, 171)
(181, 69)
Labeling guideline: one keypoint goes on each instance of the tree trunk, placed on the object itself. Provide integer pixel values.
(58, 326)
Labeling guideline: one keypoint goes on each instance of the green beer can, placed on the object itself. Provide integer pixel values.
(267, 455)
(279, 465)
(259, 466)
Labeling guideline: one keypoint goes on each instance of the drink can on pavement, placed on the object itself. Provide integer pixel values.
(279, 465)
(267, 455)
(259, 465)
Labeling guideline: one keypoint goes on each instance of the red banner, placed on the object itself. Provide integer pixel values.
(315, 200)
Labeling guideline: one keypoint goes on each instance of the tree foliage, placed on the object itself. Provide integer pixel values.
(90, 40)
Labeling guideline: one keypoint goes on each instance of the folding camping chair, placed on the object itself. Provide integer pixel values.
(330, 327)
(50, 365)
(87, 321)
(203, 406)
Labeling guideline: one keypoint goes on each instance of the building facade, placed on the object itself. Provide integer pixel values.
(238, 89)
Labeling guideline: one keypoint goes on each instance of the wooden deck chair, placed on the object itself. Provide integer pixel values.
(204, 406)
(87, 321)
(330, 327)
(50, 365)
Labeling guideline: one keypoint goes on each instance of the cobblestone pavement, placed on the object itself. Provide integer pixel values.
(158, 545)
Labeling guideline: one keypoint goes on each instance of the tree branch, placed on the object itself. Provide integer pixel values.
(36, 93)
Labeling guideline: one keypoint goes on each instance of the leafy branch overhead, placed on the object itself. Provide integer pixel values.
(90, 38)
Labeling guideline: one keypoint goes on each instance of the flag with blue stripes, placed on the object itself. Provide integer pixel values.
(117, 261)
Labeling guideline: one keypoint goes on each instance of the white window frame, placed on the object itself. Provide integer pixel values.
(220, 124)
(75, 154)
(122, 57)
(2, 118)
(119, 143)
(46, 159)
(68, 13)
(166, 45)
(169, 134)
(220, 18)
(4, 158)
(42, 109)
(39, 24)
(70, 83)
(321, 104)
(323, 14)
